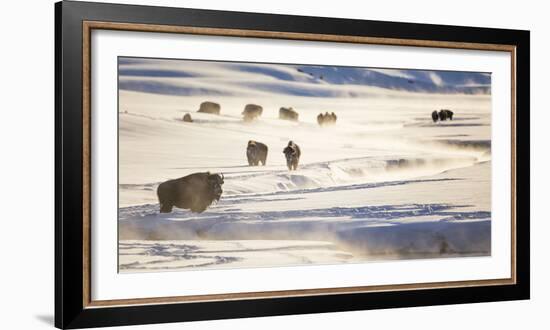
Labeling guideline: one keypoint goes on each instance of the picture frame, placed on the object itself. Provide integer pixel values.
(74, 24)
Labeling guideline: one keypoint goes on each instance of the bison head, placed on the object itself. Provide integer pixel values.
(252, 149)
(289, 152)
(215, 182)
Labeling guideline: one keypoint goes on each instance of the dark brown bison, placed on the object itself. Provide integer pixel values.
(288, 114)
(435, 116)
(251, 112)
(210, 107)
(256, 152)
(326, 119)
(196, 192)
(445, 114)
(187, 118)
(292, 153)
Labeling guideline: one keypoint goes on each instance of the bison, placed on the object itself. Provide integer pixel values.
(256, 152)
(196, 192)
(445, 114)
(288, 114)
(292, 153)
(326, 118)
(320, 118)
(251, 112)
(187, 118)
(333, 117)
(210, 107)
(435, 116)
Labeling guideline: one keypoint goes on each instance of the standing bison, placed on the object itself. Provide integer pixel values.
(442, 115)
(445, 114)
(435, 116)
(292, 153)
(251, 112)
(210, 107)
(288, 114)
(196, 192)
(326, 119)
(256, 152)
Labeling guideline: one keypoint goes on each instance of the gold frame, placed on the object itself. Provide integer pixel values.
(88, 26)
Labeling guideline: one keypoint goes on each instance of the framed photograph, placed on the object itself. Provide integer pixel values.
(218, 164)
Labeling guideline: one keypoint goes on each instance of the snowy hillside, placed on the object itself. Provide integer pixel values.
(178, 77)
(385, 182)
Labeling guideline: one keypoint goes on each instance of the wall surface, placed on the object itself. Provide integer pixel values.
(26, 151)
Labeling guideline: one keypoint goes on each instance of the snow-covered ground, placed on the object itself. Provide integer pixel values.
(384, 183)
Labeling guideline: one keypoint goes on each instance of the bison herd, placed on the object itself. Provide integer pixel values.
(252, 112)
(198, 191)
(256, 153)
(326, 119)
(442, 115)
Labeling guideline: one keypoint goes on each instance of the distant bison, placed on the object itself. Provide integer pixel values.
(288, 114)
(435, 116)
(326, 119)
(210, 107)
(256, 152)
(187, 118)
(292, 153)
(445, 114)
(442, 115)
(196, 192)
(251, 112)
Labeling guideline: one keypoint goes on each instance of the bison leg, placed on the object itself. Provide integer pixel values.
(250, 162)
(166, 207)
(199, 208)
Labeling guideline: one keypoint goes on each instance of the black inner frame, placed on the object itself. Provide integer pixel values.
(69, 306)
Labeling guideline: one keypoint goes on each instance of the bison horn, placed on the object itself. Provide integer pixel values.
(222, 176)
